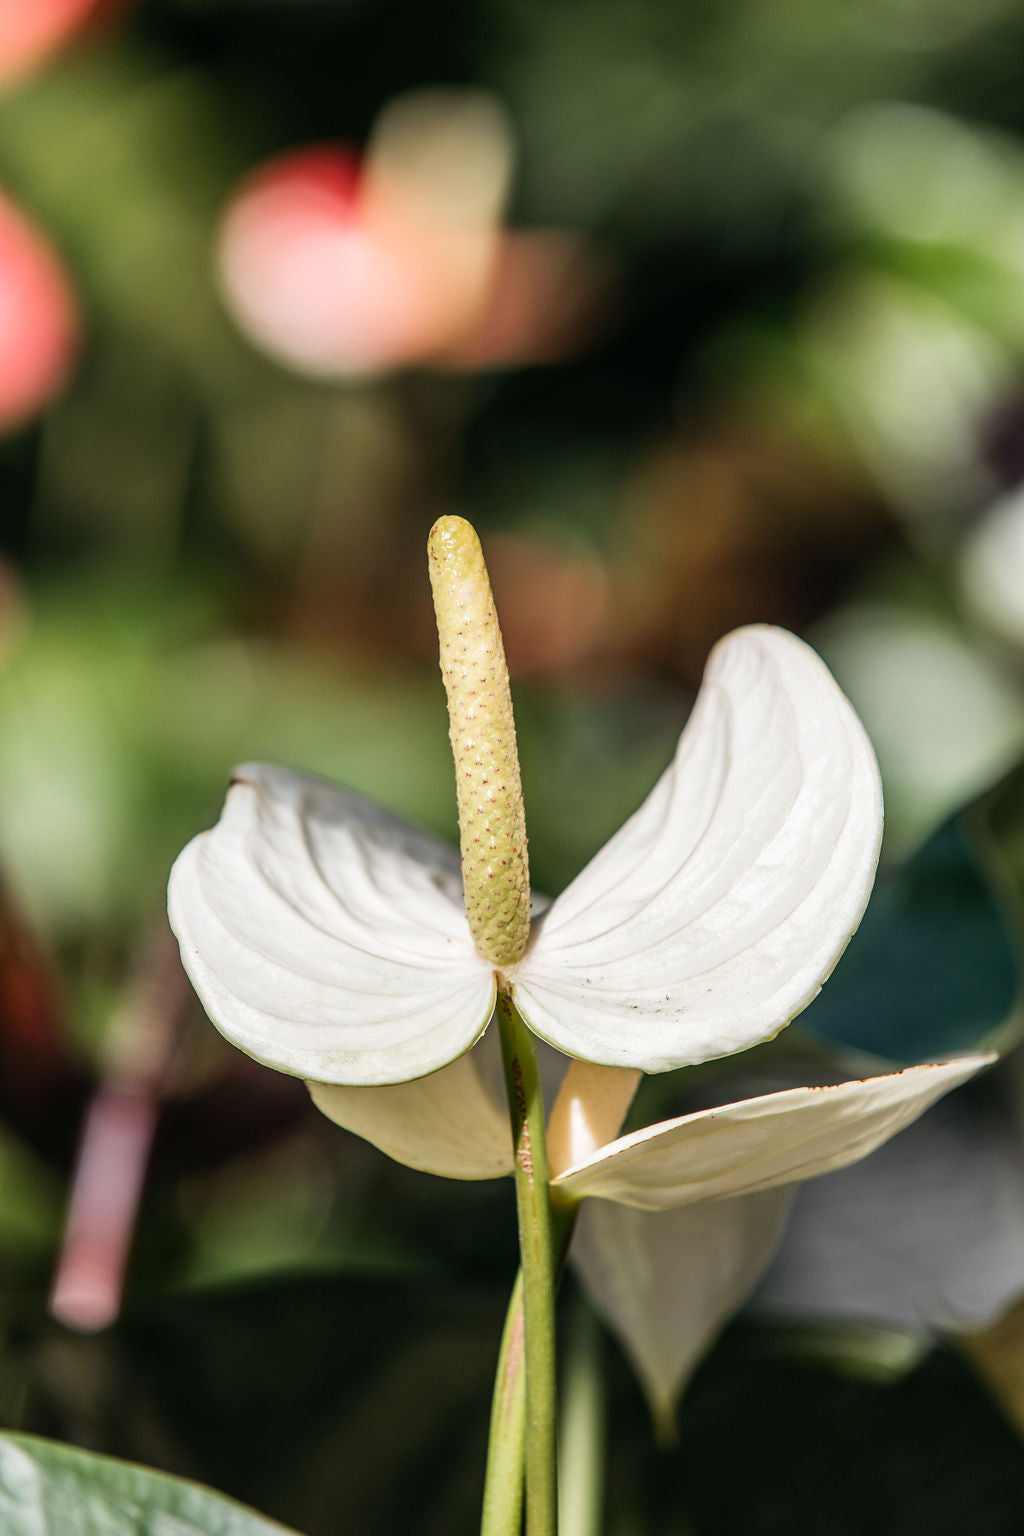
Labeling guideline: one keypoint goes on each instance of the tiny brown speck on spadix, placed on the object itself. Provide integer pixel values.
(492, 826)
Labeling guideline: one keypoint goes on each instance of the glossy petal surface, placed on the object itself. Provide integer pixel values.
(760, 1143)
(667, 1281)
(326, 937)
(453, 1123)
(717, 911)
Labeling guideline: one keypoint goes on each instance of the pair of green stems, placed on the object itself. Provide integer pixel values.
(522, 1449)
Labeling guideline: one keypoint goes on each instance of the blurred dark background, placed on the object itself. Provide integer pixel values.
(703, 315)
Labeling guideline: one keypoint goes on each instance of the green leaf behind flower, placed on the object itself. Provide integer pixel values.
(46, 1487)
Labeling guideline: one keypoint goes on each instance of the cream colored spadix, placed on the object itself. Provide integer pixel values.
(492, 824)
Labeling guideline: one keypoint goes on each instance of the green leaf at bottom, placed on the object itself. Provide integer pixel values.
(47, 1489)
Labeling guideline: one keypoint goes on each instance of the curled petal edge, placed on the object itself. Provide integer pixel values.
(761, 1143)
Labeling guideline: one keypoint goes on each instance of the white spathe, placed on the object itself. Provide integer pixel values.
(688, 1213)
(761, 1143)
(454, 1123)
(327, 938)
(713, 916)
(668, 1282)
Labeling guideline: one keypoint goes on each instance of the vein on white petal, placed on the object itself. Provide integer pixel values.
(326, 937)
(453, 1123)
(292, 1022)
(341, 837)
(717, 911)
(760, 1143)
(667, 1281)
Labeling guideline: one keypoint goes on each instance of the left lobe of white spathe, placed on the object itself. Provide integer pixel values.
(714, 915)
(327, 937)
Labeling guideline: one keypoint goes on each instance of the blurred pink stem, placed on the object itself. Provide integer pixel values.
(116, 1140)
(105, 1192)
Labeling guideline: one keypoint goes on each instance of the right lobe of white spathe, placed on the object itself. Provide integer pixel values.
(714, 915)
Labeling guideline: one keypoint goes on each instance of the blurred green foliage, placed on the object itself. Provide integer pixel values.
(803, 394)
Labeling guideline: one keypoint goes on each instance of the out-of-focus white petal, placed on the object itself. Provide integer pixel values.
(759, 1143)
(992, 568)
(327, 937)
(667, 1281)
(717, 911)
(453, 1123)
(450, 151)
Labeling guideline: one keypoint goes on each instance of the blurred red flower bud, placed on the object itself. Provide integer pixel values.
(32, 29)
(338, 265)
(332, 280)
(38, 319)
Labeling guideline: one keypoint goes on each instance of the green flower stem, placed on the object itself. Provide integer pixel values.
(503, 1487)
(581, 1444)
(526, 1108)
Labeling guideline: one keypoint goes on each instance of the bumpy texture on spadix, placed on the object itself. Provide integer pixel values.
(492, 827)
(328, 939)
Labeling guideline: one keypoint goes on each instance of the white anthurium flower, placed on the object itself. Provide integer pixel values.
(328, 938)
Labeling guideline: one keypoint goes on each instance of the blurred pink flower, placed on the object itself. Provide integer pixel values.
(32, 29)
(338, 264)
(38, 319)
(326, 279)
